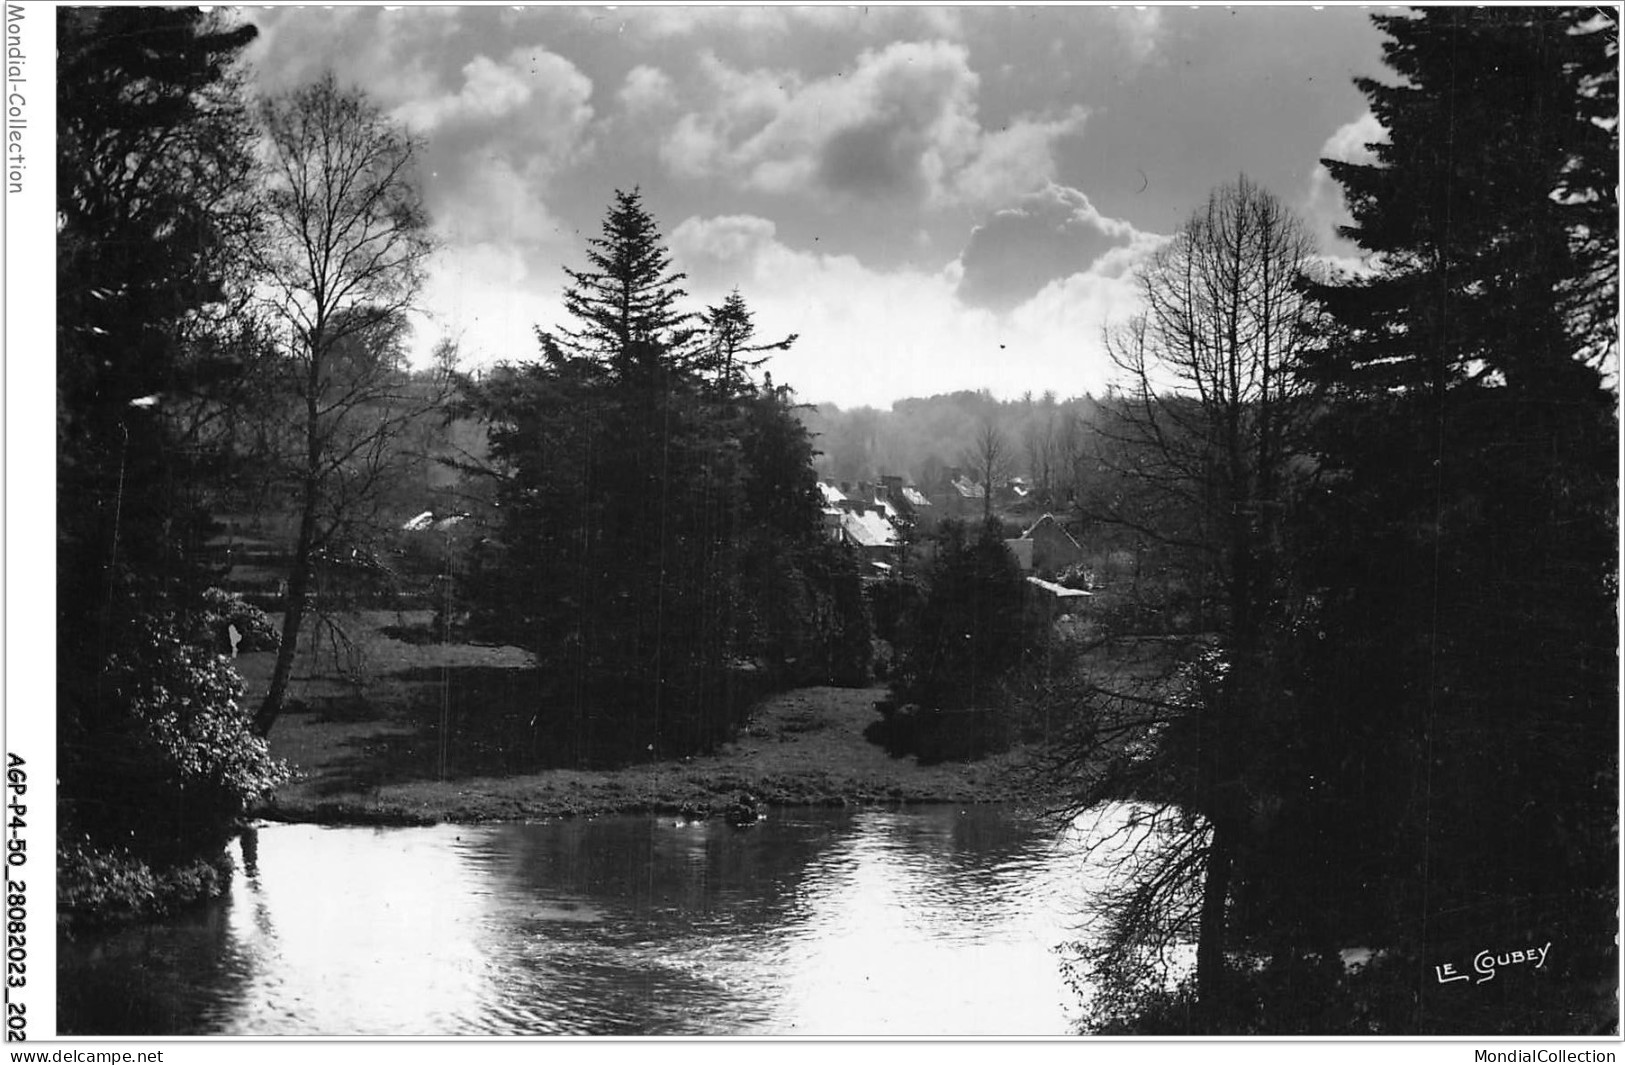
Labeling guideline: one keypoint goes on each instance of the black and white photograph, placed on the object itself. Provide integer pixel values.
(1092, 524)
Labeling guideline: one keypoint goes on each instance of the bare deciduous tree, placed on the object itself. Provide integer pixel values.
(990, 458)
(341, 263)
(1205, 429)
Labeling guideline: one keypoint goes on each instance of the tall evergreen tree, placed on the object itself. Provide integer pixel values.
(153, 198)
(730, 352)
(1459, 718)
(626, 303)
(641, 475)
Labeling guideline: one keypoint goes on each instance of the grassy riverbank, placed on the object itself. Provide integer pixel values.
(392, 731)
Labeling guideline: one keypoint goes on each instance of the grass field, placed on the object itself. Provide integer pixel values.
(383, 727)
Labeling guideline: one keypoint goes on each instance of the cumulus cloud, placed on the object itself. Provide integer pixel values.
(489, 90)
(390, 53)
(1046, 236)
(500, 125)
(1016, 157)
(776, 24)
(540, 98)
(721, 253)
(497, 143)
(1324, 208)
(646, 89)
(902, 124)
(497, 200)
(873, 336)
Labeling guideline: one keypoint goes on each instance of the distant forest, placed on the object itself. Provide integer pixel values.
(918, 438)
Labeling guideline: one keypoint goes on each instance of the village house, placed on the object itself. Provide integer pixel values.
(1046, 548)
(957, 496)
(1022, 548)
(857, 515)
(1047, 601)
(1053, 548)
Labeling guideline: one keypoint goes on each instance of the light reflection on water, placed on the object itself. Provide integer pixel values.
(924, 921)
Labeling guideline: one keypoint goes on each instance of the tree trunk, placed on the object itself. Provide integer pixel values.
(293, 616)
(1210, 967)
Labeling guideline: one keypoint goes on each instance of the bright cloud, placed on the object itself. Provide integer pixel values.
(1324, 209)
(900, 125)
(487, 297)
(776, 24)
(390, 53)
(500, 200)
(869, 336)
(489, 90)
(497, 145)
(646, 89)
(540, 99)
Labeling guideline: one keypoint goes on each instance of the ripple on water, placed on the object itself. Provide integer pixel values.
(923, 921)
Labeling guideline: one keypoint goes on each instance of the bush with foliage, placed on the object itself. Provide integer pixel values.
(209, 626)
(172, 761)
(935, 735)
(969, 630)
(112, 886)
(841, 629)
(955, 650)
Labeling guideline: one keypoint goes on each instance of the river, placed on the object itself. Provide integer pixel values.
(920, 921)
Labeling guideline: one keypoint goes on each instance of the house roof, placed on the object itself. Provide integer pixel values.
(1058, 528)
(969, 490)
(913, 497)
(869, 529)
(429, 520)
(1060, 591)
(831, 494)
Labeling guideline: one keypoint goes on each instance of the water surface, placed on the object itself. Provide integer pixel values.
(920, 921)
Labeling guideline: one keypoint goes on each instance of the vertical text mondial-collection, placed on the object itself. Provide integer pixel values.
(16, 101)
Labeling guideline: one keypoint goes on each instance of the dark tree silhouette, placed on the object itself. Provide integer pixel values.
(1460, 720)
(1203, 438)
(154, 202)
(642, 481)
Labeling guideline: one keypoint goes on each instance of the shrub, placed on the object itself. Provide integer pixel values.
(936, 735)
(969, 631)
(209, 625)
(171, 761)
(111, 886)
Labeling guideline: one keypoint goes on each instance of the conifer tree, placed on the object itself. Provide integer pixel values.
(730, 354)
(626, 303)
(154, 203)
(639, 467)
(1459, 718)
(153, 199)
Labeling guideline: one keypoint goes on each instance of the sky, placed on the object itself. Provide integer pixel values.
(933, 198)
